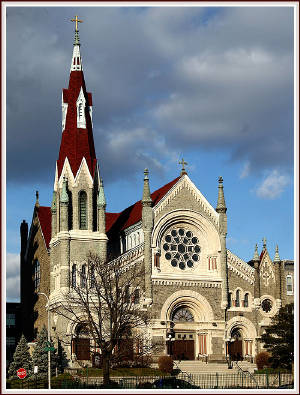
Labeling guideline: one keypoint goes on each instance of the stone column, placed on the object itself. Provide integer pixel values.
(64, 238)
(221, 209)
(147, 224)
(53, 216)
(101, 209)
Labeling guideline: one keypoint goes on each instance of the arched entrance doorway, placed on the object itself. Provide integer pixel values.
(186, 314)
(235, 346)
(183, 346)
(81, 343)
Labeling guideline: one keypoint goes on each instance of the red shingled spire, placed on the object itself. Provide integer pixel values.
(77, 137)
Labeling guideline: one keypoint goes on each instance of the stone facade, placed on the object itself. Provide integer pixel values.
(35, 276)
(204, 301)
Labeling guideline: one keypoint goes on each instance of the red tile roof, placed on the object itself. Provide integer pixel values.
(110, 220)
(133, 214)
(44, 215)
(77, 143)
(262, 254)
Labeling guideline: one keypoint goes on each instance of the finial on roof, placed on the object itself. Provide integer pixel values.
(101, 202)
(64, 198)
(264, 243)
(53, 204)
(221, 205)
(256, 256)
(277, 257)
(146, 190)
(76, 39)
(182, 163)
(37, 203)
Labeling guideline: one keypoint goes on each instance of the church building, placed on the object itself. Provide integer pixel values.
(208, 300)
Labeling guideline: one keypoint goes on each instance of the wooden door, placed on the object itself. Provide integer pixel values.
(236, 350)
(183, 350)
(82, 348)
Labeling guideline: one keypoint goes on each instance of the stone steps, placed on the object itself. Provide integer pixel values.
(197, 367)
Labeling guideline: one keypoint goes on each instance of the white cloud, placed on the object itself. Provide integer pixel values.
(273, 185)
(12, 277)
(245, 171)
(197, 76)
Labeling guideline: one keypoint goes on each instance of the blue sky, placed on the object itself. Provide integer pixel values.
(213, 85)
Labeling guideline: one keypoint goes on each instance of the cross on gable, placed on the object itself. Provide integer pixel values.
(266, 276)
(183, 171)
(267, 273)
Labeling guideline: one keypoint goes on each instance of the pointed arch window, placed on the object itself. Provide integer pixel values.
(92, 277)
(74, 276)
(37, 275)
(237, 298)
(82, 210)
(83, 276)
(246, 300)
(136, 296)
(289, 285)
(230, 299)
(70, 211)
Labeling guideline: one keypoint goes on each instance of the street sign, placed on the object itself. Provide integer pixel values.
(49, 349)
(21, 373)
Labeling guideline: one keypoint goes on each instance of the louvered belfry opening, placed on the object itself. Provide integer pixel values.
(82, 210)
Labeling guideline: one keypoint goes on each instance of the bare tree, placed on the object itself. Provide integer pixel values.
(105, 299)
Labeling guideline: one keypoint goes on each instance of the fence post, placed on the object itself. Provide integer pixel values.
(217, 378)
(267, 380)
(279, 378)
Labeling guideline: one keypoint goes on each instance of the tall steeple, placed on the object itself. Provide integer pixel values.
(77, 135)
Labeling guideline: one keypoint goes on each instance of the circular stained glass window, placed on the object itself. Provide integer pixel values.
(182, 248)
(266, 305)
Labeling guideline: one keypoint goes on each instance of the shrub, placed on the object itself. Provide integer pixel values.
(262, 359)
(112, 384)
(62, 379)
(165, 364)
(143, 361)
(146, 385)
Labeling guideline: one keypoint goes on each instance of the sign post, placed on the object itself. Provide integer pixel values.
(21, 373)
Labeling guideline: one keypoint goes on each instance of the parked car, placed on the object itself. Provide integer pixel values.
(286, 386)
(172, 383)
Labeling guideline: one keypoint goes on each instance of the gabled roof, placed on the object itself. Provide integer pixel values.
(133, 214)
(44, 216)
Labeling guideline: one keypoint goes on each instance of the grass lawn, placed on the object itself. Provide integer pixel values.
(271, 371)
(122, 372)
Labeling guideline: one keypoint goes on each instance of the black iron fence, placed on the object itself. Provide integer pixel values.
(201, 381)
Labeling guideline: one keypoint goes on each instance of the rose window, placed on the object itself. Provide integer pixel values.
(266, 305)
(181, 248)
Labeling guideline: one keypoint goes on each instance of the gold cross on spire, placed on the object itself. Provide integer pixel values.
(76, 20)
(183, 171)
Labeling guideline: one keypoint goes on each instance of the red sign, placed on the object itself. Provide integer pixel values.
(21, 373)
